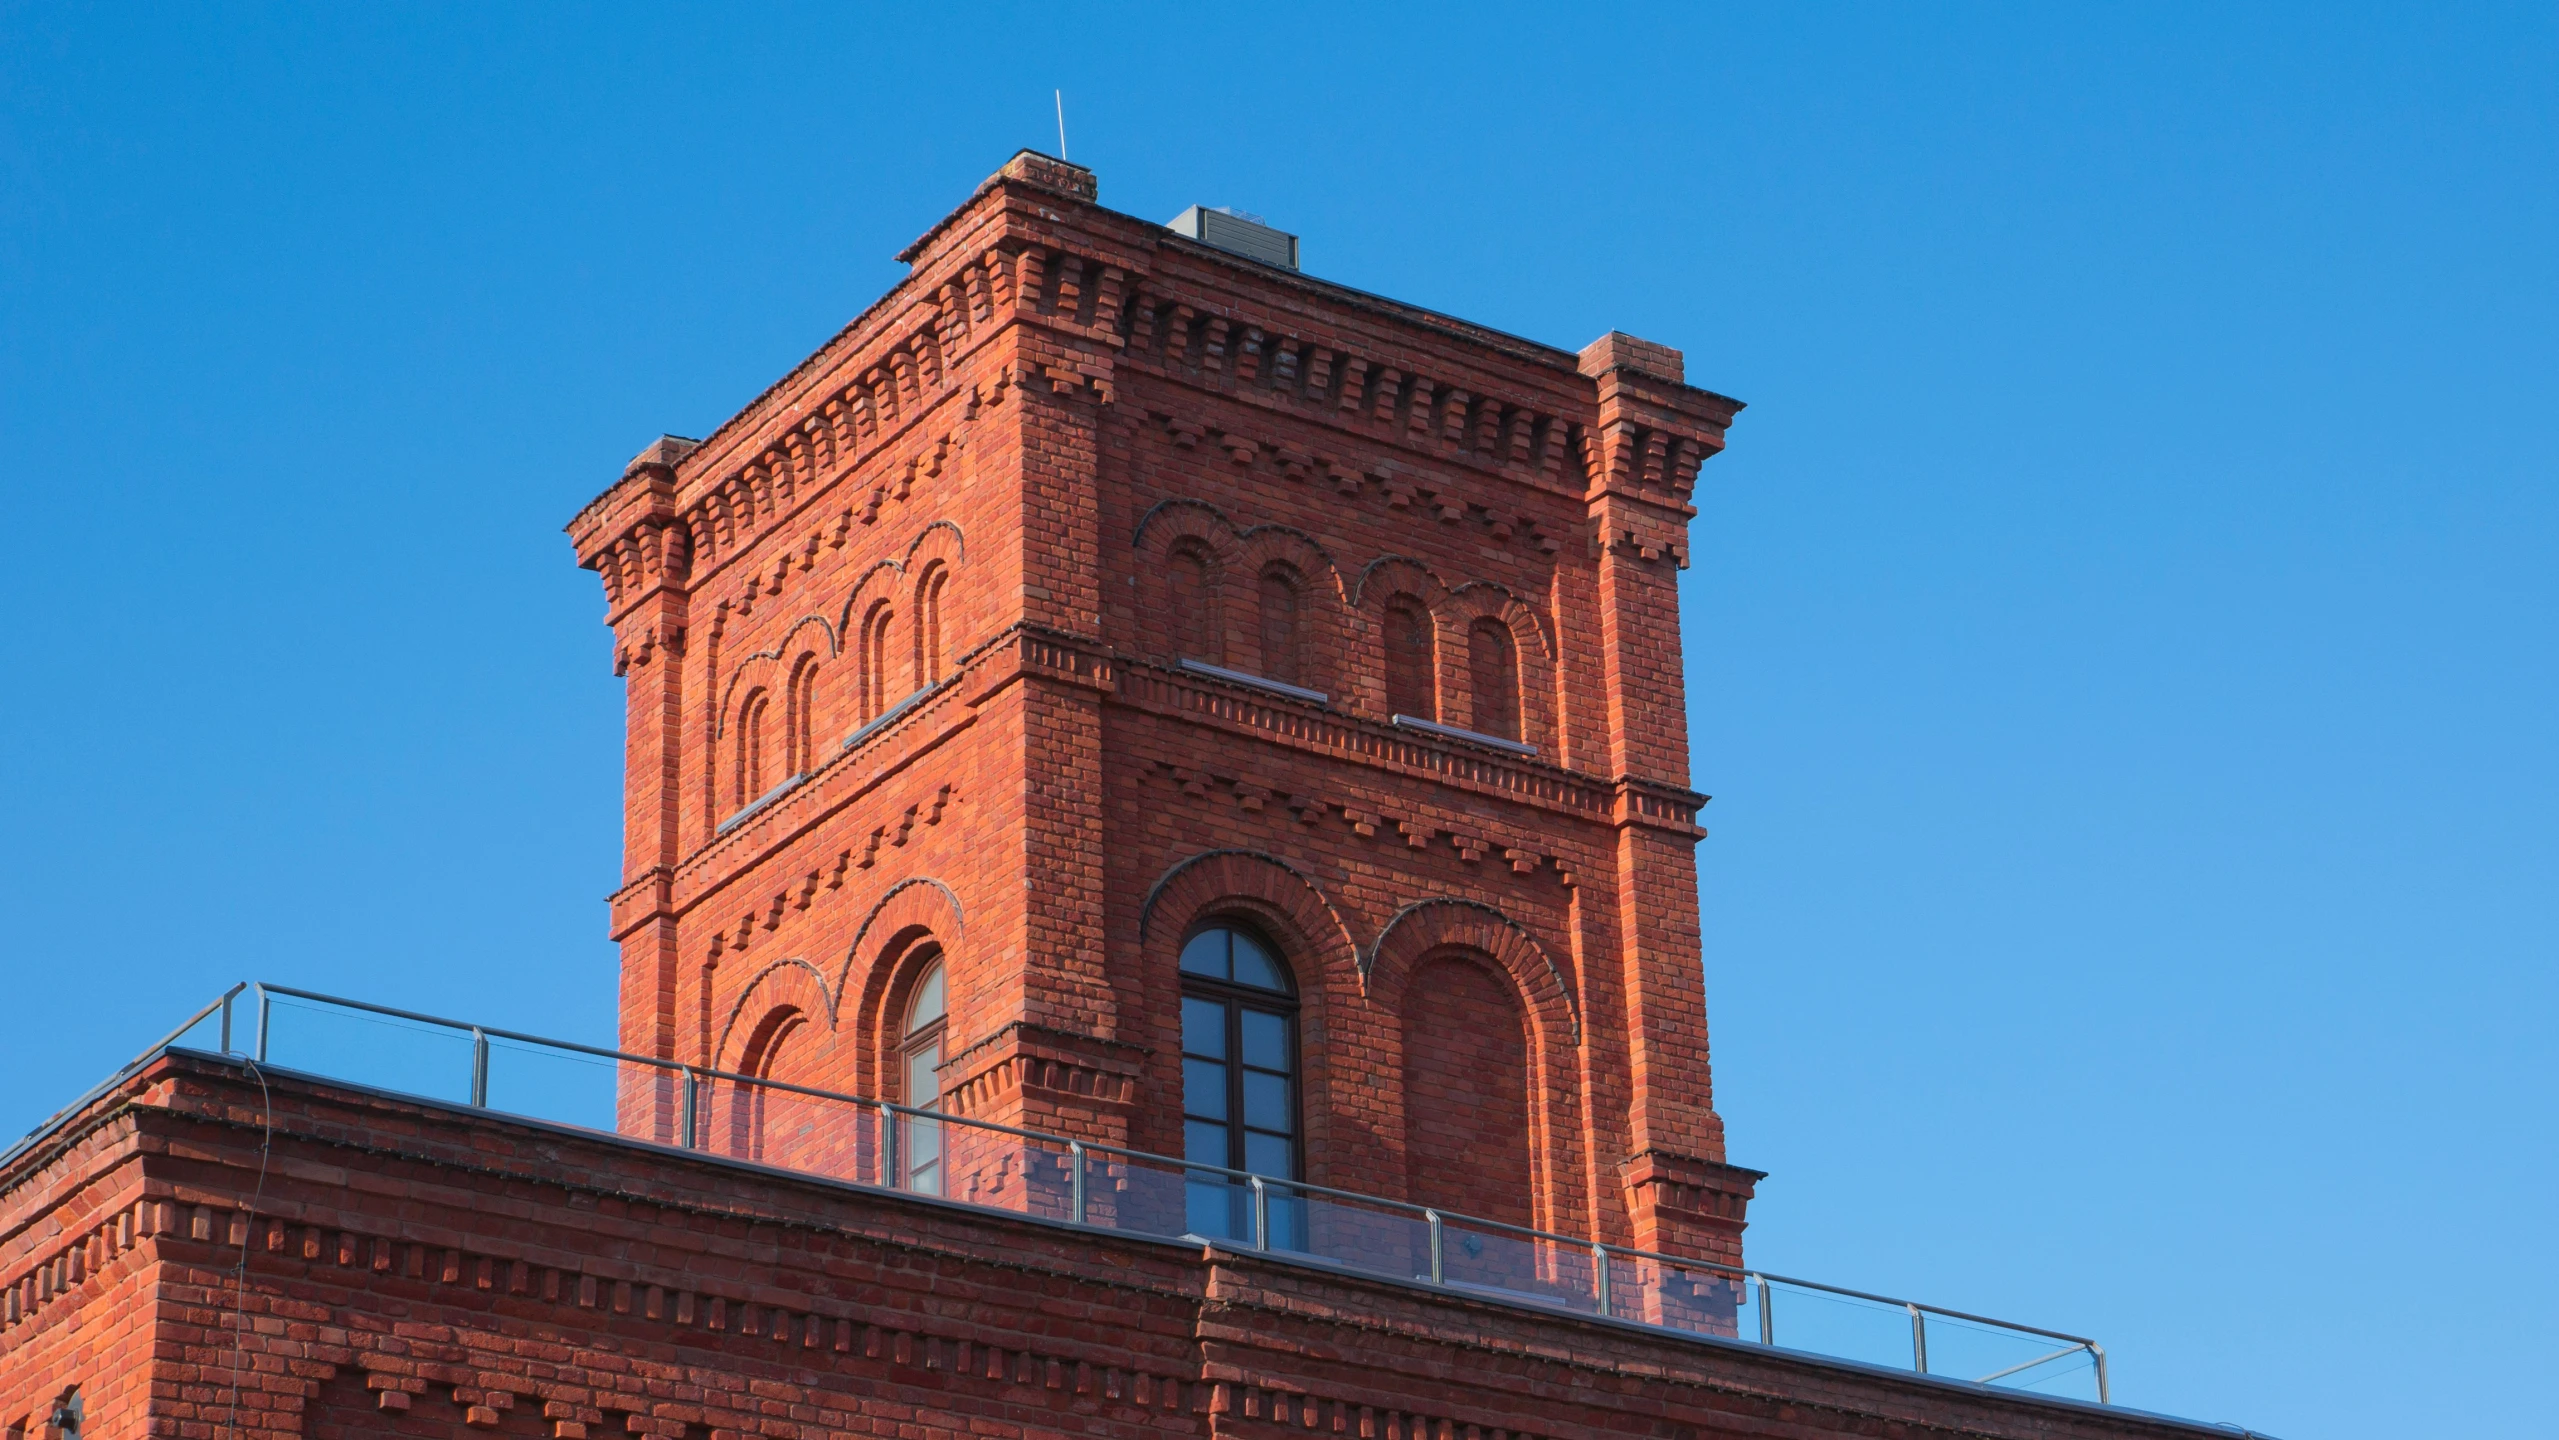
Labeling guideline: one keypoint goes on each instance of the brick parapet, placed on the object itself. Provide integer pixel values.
(431, 1272)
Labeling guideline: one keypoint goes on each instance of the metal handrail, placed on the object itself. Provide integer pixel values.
(891, 1176)
(46, 1125)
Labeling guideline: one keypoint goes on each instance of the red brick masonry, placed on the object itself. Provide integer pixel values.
(1070, 451)
(425, 1271)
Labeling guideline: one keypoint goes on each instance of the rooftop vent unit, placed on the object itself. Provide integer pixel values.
(1233, 230)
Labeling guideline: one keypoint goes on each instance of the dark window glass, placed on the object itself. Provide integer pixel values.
(1239, 1083)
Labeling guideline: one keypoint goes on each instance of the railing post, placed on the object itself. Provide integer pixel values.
(1767, 1316)
(479, 1068)
(685, 1133)
(889, 1176)
(1075, 1187)
(1439, 1271)
(1261, 1214)
(266, 1009)
(1599, 1257)
(1918, 1338)
(2098, 1352)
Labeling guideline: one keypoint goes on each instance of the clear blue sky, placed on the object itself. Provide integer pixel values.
(2120, 639)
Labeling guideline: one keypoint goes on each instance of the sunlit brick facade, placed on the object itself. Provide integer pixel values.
(1071, 452)
(1117, 689)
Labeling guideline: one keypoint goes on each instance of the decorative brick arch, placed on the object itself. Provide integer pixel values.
(1385, 578)
(1448, 928)
(770, 658)
(927, 605)
(1172, 520)
(1255, 881)
(913, 912)
(880, 581)
(1263, 544)
(1531, 643)
(1176, 527)
(789, 984)
(1444, 922)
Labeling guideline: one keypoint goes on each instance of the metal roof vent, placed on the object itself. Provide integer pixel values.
(1244, 234)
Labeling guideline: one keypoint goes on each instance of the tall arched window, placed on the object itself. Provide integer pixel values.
(1411, 682)
(920, 1080)
(750, 745)
(928, 624)
(1192, 615)
(1239, 1080)
(1281, 638)
(801, 715)
(1492, 663)
(875, 660)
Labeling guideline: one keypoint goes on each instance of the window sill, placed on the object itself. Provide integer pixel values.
(759, 802)
(1474, 737)
(1239, 677)
(880, 722)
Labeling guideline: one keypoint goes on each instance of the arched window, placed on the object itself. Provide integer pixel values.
(802, 720)
(875, 660)
(1239, 1080)
(1411, 684)
(1492, 662)
(920, 1080)
(750, 745)
(1281, 657)
(1192, 616)
(928, 625)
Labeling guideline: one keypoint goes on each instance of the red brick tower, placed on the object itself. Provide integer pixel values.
(1125, 688)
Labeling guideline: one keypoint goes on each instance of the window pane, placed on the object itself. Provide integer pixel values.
(1206, 955)
(1266, 1101)
(1270, 1155)
(1266, 1040)
(1253, 964)
(1204, 1141)
(923, 1074)
(1203, 1028)
(926, 1007)
(1204, 1089)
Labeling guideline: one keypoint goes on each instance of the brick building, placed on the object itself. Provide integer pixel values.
(1120, 689)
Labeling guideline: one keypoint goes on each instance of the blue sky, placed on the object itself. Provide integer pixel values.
(2120, 636)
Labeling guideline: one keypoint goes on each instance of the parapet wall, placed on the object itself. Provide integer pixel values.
(204, 1254)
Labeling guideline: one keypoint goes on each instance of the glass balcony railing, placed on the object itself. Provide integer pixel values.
(879, 1144)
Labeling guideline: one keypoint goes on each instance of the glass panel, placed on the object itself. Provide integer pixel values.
(1204, 1141)
(1266, 1040)
(1213, 1207)
(926, 1007)
(923, 1075)
(1206, 955)
(1270, 1155)
(1204, 1090)
(1254, 965)
(1203, 1027)
(1265, 1101)
(922, 1142)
